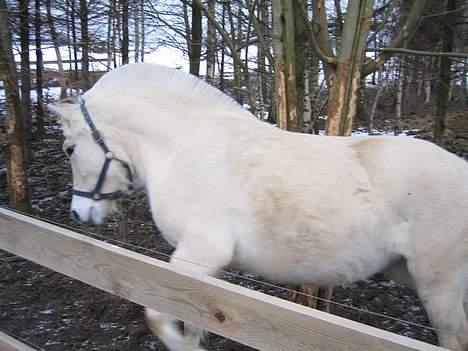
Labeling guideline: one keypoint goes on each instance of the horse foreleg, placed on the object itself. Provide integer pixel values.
(165, 328)
(196, 255)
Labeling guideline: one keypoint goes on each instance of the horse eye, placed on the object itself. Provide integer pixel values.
(69, 150)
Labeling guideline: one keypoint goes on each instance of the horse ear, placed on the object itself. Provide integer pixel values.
(53, 109)
(64, 111)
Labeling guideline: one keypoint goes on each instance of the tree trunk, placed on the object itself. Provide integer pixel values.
(300, 48)
(68, 16)
(374, 108)
(464, 82)
(84, 44)
(338, 23)
(76, 74)
(380, 90)
(111, 34)
(444, 80)
(419, 82)
(344, 86)
(195, 40)
(54, 37)
(125, 34)
(142, 31)
(16, 160)
(314, 92)
(223, 51)
(285, 72)
(25, 69)
(211, 46)
(136, 28)
(234, 38)
(312, 296)
(261, 58)
(40, 109)
(427, 90)
(399, 97)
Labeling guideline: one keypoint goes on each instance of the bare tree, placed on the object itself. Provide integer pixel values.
(111, 34)
(445, 66)
(56, 44)
(40, 109)
(14, 143)
(136, 25)
(285, 69)
(345, 71)
(25, 68)
(84, 44)
(235, 55)
(211, 46)
(125, 33)
(195, 39)
(142, 30)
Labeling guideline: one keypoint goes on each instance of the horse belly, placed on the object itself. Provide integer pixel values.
(310, 264)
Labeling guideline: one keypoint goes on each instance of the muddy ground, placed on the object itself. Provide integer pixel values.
(52, 312)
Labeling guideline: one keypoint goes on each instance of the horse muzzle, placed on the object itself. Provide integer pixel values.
(84, 210)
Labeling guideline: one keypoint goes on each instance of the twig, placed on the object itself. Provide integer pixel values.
(420, 53)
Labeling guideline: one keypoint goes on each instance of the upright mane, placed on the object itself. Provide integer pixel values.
(151, 80)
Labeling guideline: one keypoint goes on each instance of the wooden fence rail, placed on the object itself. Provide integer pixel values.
(249, 317)
(8, 343)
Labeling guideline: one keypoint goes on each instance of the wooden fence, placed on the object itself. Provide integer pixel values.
(249, 317)
(7, 343)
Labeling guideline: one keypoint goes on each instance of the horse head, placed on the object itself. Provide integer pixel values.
(100, 166)
(134, 116)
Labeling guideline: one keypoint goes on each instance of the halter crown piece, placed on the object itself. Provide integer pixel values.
(96, 194)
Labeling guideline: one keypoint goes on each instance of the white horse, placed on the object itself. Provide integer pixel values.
(229, 190)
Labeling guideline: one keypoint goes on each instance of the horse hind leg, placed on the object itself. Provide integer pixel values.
(443, 297)
(187, 256)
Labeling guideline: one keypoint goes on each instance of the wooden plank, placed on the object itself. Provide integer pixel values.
(250, 317)
(8, 343)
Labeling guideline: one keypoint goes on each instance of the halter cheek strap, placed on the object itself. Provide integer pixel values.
(96, 194)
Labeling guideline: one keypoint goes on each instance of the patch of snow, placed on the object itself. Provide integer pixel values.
(48, 311)
(51, 343)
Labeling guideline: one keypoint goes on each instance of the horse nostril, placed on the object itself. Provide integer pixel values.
(74, 215)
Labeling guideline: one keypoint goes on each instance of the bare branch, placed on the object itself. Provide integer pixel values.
(312, 39)
(234, 53)
(382, 24)
(260, 34)
(405, 31)
(420, 53)
(444, 13)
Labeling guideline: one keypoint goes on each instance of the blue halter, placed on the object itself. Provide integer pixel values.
(96, 194)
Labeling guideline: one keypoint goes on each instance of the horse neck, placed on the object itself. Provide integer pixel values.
(150, 135)
(153, 131)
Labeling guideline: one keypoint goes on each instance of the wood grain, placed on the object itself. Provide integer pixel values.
(249, 317)
(8, 343)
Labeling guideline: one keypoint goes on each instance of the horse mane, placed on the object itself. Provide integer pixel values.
(155, 81)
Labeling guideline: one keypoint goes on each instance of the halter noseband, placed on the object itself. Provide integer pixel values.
(96, 193)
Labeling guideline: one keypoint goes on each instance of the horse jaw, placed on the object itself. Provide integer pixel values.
(87, 210)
